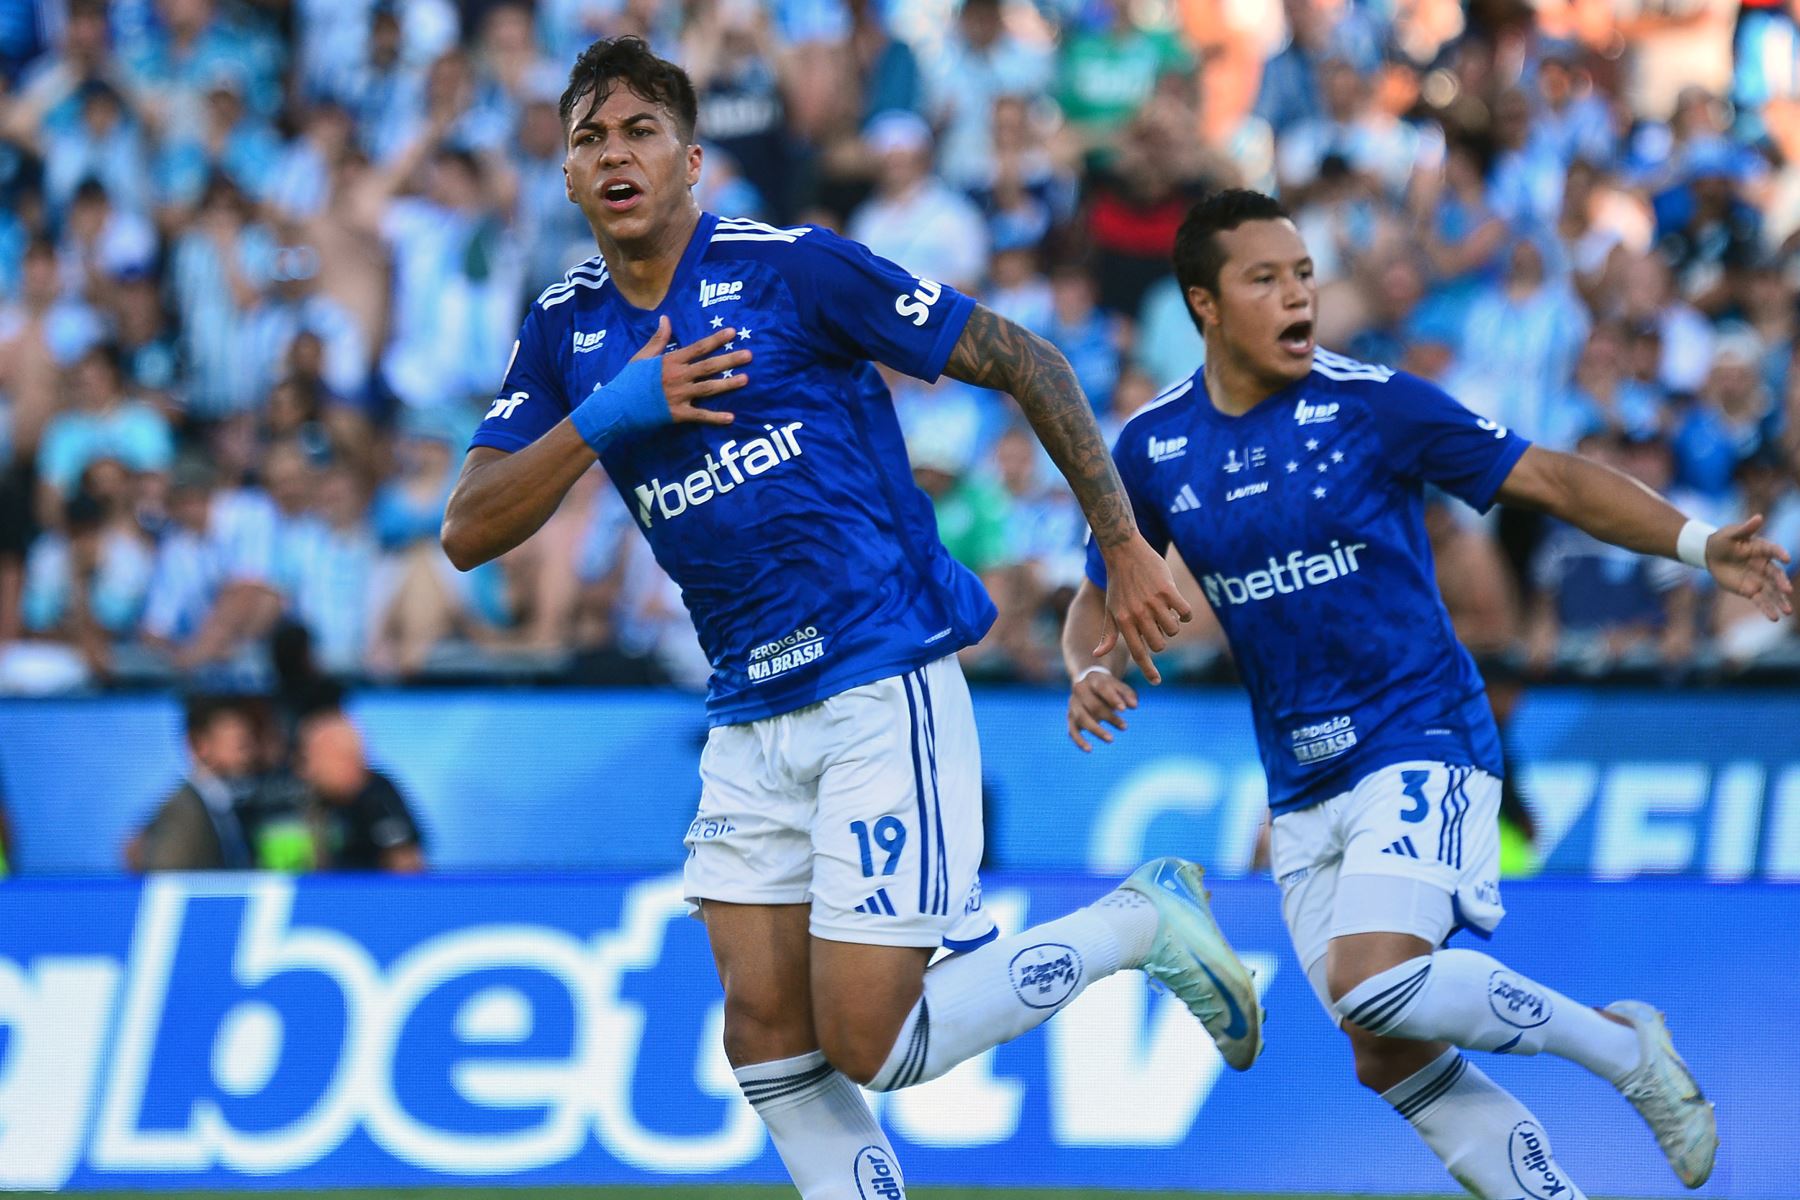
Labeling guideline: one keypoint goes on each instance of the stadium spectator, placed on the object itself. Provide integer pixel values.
(1088, 338)
(154, 367)
(296, 304)
(101, 242)
(212, 596)
(1707, 232)
(86, 579)
(200, 827)
(103, 422)
(361, 820)
(981, 60)
(1733, 417)
(1107, 67)
(458, 275)
(1596, 606)
(330, 564)
(914, 218)
(1317, 29)
(1519, 344)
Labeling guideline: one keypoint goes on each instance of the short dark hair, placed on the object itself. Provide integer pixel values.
(206, 711)
(1198, 256)
(629, 60)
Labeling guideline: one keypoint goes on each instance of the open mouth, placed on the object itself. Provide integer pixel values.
(1297, 338)
(620, 194)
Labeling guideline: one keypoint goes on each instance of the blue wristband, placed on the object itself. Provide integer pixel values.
(631, 403)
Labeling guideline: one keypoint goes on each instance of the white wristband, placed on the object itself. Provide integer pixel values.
(1690, 545)
(1090, 670)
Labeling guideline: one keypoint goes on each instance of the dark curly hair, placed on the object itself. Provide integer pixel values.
(1198, 255)
(629, 60)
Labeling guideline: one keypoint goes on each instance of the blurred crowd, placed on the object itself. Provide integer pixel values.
(262, 263)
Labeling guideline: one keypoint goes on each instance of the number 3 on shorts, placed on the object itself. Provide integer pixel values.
(1414, 785)
(890, 836)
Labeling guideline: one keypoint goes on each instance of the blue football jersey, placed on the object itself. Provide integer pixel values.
(808, 559)
(1304, 522)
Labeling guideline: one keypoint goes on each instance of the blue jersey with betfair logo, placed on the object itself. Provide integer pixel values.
(808, 559)
(1304, 522)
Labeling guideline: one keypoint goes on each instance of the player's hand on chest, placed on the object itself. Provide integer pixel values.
(714, 305)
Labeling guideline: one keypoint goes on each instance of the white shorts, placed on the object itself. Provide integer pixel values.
(867, 804)
(1412, 848)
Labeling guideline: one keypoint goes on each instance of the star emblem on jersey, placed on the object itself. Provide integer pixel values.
(1324, 467)
(718, 322)
(1337, 456)
(1292, 467)
(1318, 493)
(744, 333)
(1312, 443)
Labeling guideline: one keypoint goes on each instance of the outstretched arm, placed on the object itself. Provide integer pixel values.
(1142, 603)
(1618, 509)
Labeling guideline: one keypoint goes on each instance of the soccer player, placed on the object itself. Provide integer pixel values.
(1290, 480)
(722, 372)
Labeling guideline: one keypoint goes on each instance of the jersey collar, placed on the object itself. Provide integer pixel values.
(684, 270)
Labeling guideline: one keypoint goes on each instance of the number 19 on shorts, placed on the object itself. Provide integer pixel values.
(888, 836)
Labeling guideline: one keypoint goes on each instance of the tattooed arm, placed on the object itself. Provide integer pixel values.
(1142, 604)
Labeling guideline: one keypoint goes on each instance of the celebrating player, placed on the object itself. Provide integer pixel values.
(722, 371)
(1290, 480)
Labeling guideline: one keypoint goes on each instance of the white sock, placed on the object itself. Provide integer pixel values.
(1470, 1000)
(978, 1000)
(822, 1127)
(1489, 1141)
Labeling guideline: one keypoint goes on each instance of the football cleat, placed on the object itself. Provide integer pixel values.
(1193, 960)
(1666, 1095)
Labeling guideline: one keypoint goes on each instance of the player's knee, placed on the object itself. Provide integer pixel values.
(858, 1053)
(1382, 1063)
(763, 1027)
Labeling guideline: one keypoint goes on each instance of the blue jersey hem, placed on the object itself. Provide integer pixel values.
(748, 706)
(1339, 782)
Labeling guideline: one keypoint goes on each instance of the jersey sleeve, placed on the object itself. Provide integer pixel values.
(1428, 436)
(868, 308)
(532, 399)
(1149, 517)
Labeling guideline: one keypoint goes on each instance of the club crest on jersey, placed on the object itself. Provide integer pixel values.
(1314, 414)
(585, 342)
(719, 293)
(1163, 449)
